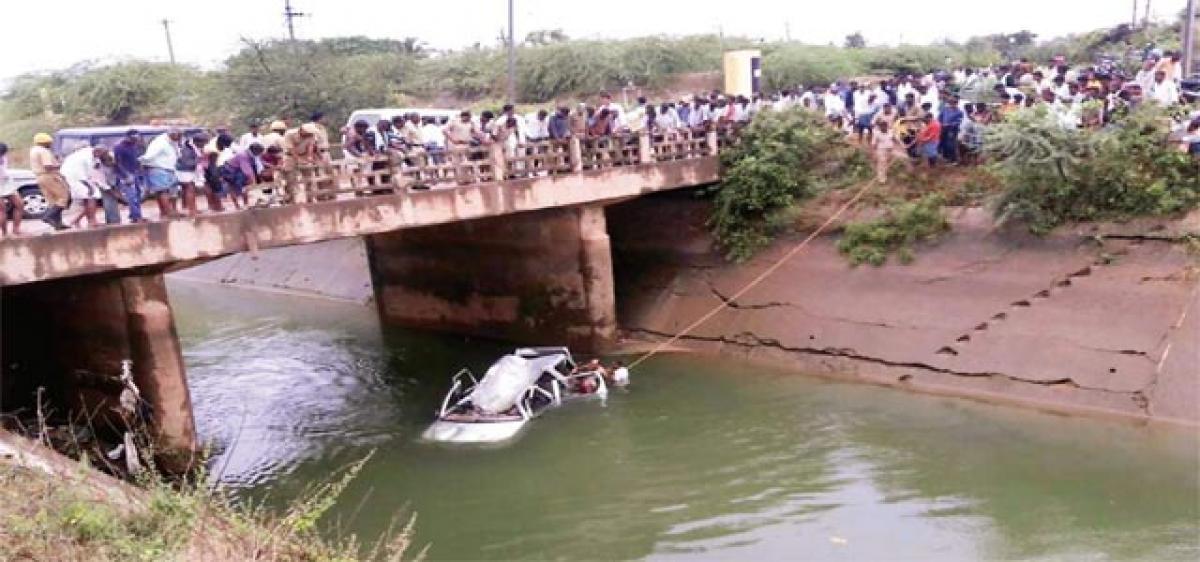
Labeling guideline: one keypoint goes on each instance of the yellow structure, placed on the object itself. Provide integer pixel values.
(743, 72)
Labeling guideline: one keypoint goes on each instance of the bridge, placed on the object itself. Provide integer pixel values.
(510, 246)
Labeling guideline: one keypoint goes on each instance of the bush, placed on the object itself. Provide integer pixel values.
(780, 159)
(903, 225)
(111, 94)
(1053, 175)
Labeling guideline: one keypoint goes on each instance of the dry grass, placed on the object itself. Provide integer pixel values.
(59, 510)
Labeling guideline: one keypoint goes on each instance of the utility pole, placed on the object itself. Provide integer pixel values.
(1191, 46)
(512, 56)
(290, 15)
(170, 47)
(1146, 18)
(787, 31)
(1133, 19)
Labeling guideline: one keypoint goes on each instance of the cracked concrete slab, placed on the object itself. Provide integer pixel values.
(1062, 322)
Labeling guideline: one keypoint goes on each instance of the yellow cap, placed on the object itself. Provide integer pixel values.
(42, 138)
(278, 126)
(309, 128)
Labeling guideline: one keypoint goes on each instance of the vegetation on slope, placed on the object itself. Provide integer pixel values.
(85, 515)
(780, 159)
(1050, 175)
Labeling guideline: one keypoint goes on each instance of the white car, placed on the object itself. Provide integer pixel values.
(33, 201)
(516, 388)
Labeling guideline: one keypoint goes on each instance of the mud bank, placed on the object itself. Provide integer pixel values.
(1064, 323)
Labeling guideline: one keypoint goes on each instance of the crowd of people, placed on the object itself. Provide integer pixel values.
(935, 119)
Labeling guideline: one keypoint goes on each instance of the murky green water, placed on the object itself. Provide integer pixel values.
(699, 460)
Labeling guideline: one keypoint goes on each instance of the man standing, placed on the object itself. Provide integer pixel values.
(129, 172)
(45, 165)
(161, 182)
(321, 134)
(1164, 91)
(950, 118)
(82, 171)
(460, 133)
(8, 193)
(251, 137)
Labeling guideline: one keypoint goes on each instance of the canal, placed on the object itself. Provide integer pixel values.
(701, 459)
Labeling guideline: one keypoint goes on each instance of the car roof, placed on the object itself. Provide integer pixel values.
(423, 111)
(120, 129)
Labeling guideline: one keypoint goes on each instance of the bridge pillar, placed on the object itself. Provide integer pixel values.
(70, 337)
(543, 277)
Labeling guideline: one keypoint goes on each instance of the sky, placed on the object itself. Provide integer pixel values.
(205, 32)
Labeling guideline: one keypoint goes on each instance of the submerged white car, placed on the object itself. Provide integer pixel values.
(516, 388)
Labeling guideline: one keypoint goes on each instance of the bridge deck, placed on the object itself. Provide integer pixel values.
(164, 244)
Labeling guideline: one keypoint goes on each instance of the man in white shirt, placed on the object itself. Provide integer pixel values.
(835, 108)
(251, 137)
(434, 140)
(159, 162)
(1163, 91)
(85, 180)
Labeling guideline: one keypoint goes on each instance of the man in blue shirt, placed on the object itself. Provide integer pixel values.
(129, 172)
(559, 128)
(951, 118)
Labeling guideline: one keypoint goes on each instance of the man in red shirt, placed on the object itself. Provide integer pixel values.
(928, 139)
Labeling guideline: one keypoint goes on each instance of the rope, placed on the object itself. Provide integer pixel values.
(761, 277)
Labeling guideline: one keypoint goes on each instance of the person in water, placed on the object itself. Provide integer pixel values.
(588, 384)
(620, 374)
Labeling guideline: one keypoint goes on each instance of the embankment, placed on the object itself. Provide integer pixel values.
(1066, 323)
(336, 270)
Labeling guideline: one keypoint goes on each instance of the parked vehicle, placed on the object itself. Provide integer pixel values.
(67, 141)
(516, 388)
(1191, 88)
(373, 116)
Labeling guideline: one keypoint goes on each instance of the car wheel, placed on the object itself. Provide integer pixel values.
(35, 204)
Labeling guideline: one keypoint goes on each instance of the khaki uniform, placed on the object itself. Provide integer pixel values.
(299, 150)
(322, 139)
(49, 180)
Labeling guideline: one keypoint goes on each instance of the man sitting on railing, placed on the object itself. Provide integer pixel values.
(559, 125)
(359, 142)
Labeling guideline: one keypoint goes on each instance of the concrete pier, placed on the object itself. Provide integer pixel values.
(534, 277)
(70, 337)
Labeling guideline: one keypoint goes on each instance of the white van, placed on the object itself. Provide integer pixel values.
(373, 116)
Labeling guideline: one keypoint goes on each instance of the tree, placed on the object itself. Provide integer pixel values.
(855, 41)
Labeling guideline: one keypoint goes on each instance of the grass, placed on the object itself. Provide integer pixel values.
(903, 224)
(49, 517)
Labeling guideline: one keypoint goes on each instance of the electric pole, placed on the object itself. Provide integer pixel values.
(512, 56)
(290, 15)
(1146, 18)
(170, 47)
(1191, 47)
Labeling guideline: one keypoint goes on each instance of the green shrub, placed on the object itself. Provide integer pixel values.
(780, 159)
(1053, 175)
(902, 225)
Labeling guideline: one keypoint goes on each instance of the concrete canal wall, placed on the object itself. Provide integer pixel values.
(1061, 323)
